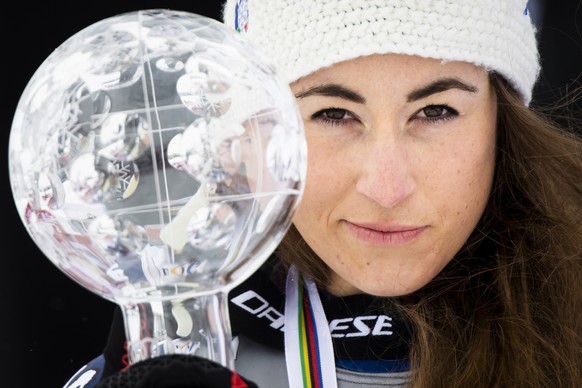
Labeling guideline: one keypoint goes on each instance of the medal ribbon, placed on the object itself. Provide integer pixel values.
(308, 347)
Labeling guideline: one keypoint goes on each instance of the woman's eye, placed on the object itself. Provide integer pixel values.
(334, 116)
(436, 113)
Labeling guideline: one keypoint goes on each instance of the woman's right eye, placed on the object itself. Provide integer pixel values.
(334, 116)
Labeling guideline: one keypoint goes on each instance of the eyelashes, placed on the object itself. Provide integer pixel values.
(430, 114)
(435, 113)
(334, 116)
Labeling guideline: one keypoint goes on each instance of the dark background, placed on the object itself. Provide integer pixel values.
(49, 325)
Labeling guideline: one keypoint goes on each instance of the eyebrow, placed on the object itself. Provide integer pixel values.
(438, 86)
(333, 90)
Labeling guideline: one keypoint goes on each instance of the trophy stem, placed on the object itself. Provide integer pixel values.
(189, 325)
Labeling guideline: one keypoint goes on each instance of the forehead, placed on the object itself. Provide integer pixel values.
(392, 69)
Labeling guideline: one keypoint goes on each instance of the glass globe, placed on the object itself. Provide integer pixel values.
(157, 159)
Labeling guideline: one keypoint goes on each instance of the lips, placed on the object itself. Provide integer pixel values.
(386, 235)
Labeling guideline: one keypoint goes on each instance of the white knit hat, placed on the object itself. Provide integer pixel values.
(302, 36)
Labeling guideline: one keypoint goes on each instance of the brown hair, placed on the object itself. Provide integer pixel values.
(507, 310)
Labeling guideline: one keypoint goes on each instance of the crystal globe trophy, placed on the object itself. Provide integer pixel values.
(156, 159)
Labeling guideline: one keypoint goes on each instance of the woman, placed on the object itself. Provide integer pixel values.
(440, 231)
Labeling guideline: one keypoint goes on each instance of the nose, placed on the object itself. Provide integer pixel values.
(386, 175)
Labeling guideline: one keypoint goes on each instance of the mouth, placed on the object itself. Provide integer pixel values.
(385, 235)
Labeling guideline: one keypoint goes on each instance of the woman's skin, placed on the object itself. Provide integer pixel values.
(401, 154)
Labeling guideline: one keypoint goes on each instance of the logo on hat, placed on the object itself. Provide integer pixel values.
(241, 16)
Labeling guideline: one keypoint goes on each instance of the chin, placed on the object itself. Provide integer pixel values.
(394, 290)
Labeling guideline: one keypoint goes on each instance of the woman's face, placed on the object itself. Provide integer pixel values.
(401, 155)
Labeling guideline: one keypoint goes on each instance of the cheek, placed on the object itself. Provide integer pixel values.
(480, 161)
(472, 181)
(327, 182)
(323, 175)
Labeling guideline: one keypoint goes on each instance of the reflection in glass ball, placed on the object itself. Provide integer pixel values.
(123, 136)
(214, 224)
(156, 153)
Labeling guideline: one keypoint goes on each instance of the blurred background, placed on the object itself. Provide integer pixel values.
(49, 325)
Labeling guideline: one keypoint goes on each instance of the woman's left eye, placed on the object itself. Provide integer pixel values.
(434, 113)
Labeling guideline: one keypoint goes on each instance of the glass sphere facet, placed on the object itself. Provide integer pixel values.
(156, 154)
